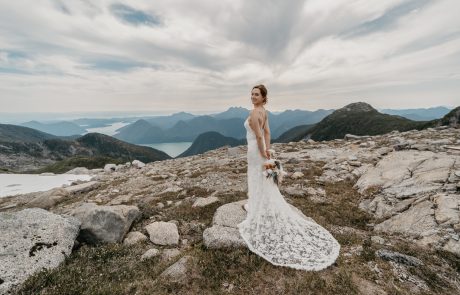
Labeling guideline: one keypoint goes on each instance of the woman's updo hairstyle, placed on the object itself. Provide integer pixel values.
(263, 91)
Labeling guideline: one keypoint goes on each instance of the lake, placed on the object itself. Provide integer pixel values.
(108, 130)
(13, 184)
(171, 148)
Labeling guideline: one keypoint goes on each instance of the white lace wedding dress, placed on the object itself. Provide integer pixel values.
(275, 231)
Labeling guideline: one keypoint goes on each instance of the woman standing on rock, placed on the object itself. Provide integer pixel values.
(273, 229)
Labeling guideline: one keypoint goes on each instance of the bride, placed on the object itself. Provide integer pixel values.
(273, 229)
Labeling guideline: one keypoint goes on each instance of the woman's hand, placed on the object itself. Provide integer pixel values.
(267, 153)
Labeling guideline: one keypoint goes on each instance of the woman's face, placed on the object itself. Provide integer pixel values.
(256, 96)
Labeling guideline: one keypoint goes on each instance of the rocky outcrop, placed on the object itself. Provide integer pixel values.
(32, 240)
(416, 193)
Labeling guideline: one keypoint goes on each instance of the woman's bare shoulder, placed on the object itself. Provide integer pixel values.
(257, 113)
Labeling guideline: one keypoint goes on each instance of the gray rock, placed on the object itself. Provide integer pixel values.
(110, 167)
(218, 236)
(134, 237)
(297, 175)
(169, 254)
(48, 199)
(354, 163)
(398, 257)
(447, 212)
(119, 200)
(178, 271)
(150, 253)
(383, 151)
(453, 246)
(293, 161)
(163, 233)
(377, 240)
(418, 220)
(83, 187)
(230, 214)
(406, 173)
(202, 202)
(352, 136)
(441, 141)
(420, 147)
(352, 158)
(104, 224)
(79, 171)
(33, 239)
(138, 164)
(293, 191)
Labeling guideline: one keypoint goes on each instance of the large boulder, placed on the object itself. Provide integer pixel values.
(104, 224)
(32, 240)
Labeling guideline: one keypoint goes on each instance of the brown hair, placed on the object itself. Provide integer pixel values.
(263, 91)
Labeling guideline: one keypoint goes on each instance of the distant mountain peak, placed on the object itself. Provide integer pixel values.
(181, 114)
(32, 122)
(358, 107)
(141, 122)
(236, 108)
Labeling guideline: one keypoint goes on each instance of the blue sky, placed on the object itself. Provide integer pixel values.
(203, 55)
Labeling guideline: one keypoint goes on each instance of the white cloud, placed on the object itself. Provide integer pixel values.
(206, 55)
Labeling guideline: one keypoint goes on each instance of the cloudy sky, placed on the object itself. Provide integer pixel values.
(205, 55)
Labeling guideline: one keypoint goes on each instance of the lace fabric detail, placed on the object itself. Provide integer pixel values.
(274, 230)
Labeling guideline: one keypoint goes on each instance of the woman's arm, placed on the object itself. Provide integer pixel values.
(254, 123)
(267, 135)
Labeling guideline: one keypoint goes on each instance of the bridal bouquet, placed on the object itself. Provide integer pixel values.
(274, 170)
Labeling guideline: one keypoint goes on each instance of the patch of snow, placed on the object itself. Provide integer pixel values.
(14, 184)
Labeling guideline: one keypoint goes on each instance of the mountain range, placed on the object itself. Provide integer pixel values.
(162, 127)
(63, 128)
(228, 123)
(358, 118)
(23, 149)
(26, 149)
(420, 114)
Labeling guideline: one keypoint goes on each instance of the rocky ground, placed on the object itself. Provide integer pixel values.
(392, 202)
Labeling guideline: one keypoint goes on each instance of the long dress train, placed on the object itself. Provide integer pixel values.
(275, 231)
